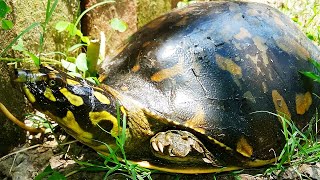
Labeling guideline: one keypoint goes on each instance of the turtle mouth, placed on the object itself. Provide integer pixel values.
(25, 76)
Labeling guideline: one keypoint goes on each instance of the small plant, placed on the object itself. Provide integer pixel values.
(85, 64)
(313, 75)
(185, 3)
(4, 10)
(49, 173)
(306, 15)
(36, 59)
(301, 146)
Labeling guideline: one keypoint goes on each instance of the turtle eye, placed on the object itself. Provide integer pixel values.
(55, 83)
(52, 83)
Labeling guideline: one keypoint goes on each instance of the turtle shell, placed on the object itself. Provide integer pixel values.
(221, 70)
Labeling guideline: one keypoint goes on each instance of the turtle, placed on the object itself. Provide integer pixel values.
(204, 89)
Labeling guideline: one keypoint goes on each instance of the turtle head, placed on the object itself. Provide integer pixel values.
(83, 109)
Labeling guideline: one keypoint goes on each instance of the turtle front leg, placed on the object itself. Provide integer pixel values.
(179, 144)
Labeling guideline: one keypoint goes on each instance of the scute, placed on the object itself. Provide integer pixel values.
(212, 68)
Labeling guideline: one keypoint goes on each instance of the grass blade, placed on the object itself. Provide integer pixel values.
(33, 25)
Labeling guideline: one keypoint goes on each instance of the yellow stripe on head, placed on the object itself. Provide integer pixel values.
(70, 122)
(96, 117)
(29, 95)
(73, 99)
(102, 98)
(72, 82)
(48, 94)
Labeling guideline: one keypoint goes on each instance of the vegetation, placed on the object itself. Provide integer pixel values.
(4, 10)
(306, 15)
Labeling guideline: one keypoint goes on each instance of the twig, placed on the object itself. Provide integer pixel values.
(21, 150)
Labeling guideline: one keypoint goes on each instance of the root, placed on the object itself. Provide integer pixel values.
(11, 117)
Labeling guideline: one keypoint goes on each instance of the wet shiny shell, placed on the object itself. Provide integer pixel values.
(218, 70)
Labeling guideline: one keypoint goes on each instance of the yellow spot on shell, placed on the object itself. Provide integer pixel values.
(72, 82)
(244, 33)
(264, 87)
(197, 122)
(29, 95)
(261, 45)
(96, 117)
(303, 102)
(73, 99)
(278, 20)
(248, 95)
(280, 104)
(135, 68)
(167, 73)
(183, 21)
(71, 124)
(292, 47)
(254, 59)
(102, 98)
(253, 12)
(228, 65)
(244, 148)
(48, 94)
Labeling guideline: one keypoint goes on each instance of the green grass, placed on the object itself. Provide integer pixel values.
(305, 13)
(301, 146)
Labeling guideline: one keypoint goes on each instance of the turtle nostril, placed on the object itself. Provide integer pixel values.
(21, 75)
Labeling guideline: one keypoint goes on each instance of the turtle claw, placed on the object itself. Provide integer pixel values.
(179, 144)
(160, 146)
(154, 145)
(206, 160)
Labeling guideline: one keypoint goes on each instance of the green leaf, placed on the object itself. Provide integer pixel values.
(316, 64)
(94, 80)
(118, 24)
(35, 59)
(182, 4)
(19, 46)
(62, 26)
(68, 65)
(71, 59)
(76, 46)
(81, 62)
(295, 19)
(50, 10)
(4, 9)
(74, 74)
(57, 176)
(47, 171)
(92, 57)
(78, 32)
(312, 75)
(6, 24)
(85, 39)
